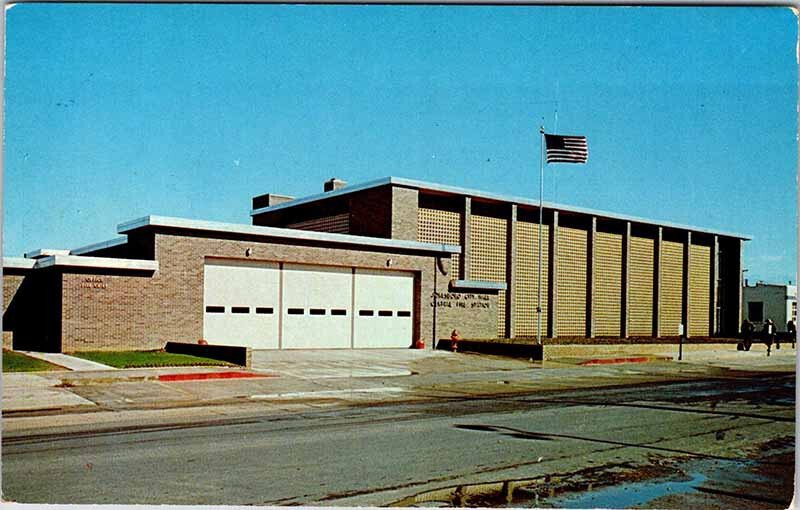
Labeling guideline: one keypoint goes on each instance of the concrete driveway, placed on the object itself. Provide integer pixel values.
(336, 363)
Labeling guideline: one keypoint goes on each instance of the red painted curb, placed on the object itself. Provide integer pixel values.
(610, 361)
(210, 375)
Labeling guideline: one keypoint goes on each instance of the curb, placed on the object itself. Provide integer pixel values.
(211, 375)
(635, 359)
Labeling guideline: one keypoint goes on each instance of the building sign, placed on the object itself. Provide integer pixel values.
(93, 282)
(459, 300)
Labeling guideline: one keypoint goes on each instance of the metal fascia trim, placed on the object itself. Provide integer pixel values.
(443, 188)
(99, 246)
(97, 262)
(18, 263)
(286, 233)
(325, 194)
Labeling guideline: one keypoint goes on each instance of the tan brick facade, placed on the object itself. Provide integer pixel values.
(107, 311)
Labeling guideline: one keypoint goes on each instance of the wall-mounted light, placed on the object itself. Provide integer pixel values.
(248, 252)
(389, 262)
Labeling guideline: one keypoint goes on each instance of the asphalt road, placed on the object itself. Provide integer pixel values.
(551, 445)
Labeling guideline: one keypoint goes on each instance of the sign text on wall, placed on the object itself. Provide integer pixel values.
(93, 282)
(459, 300)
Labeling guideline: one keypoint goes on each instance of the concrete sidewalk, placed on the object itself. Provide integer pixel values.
(327, 376)
(33, 392)
(67, 361)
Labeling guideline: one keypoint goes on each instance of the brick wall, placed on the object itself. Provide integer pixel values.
(140, 312)
(12, 281)
(106, 312)
(405, 203)
(371, 212)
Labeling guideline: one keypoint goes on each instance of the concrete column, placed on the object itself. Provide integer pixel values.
(714, 287)
(657, 283)
(626, 276)
(590, 251)
(552, 278)
(511, 272)
(739, 266)
(465, 240)
(687, 280)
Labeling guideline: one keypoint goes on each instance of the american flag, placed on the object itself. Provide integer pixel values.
(566, 149)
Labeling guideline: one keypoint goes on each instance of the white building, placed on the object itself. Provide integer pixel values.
(764, 301)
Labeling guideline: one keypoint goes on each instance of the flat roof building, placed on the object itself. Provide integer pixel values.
(380, 264)
(605, 274)
(774, 301)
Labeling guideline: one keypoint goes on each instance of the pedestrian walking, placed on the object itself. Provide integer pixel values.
(747, 334)
(768, 334)
(791, 329)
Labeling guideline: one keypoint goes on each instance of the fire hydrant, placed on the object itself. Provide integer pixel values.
(419, 344)
(454, 338)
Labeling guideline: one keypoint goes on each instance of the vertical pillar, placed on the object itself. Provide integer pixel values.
(511, 272)
(738, 303)
(590, 251)
(685, 285)
(465, 239)
(714, 288)
(626, 276)
(657, 283)
(552, 278)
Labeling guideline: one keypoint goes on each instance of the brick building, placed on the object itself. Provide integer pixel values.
(376, 265)
(604, 274)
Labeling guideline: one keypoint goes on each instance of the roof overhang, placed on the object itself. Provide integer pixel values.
(97, 263)
(18, 263)
(284, 233)
(44, 252)
(491, 197)
(111, 243)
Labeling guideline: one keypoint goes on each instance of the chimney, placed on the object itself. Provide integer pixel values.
(334, 184)
(270, 199)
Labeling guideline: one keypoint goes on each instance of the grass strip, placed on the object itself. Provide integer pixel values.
(17, 362)
(147, 359)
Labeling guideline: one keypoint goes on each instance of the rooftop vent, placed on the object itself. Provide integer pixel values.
(334, 184)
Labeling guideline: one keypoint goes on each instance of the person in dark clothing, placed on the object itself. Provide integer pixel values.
(747, 334)
(791, 329)
(768, 334)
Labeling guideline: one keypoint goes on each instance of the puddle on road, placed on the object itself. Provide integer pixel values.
(625, 486)
(627, 495)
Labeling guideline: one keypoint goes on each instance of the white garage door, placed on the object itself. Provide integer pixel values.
(383, 306)
(241, 304)
(317, 302)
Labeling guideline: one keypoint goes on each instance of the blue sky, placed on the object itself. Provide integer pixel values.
(119, 111)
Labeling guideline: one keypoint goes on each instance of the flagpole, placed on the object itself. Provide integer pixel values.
(539, 261)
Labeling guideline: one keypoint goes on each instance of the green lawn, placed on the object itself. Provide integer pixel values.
(16, 362)
(143, 359)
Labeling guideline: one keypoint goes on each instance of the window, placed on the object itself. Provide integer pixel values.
(366, 313)
(338, 311)
(404, 313)
(264, 310)
(317, 311)
(755, 311)
(240, 309)
(295, 311)
(385, 313)
(215, 309)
